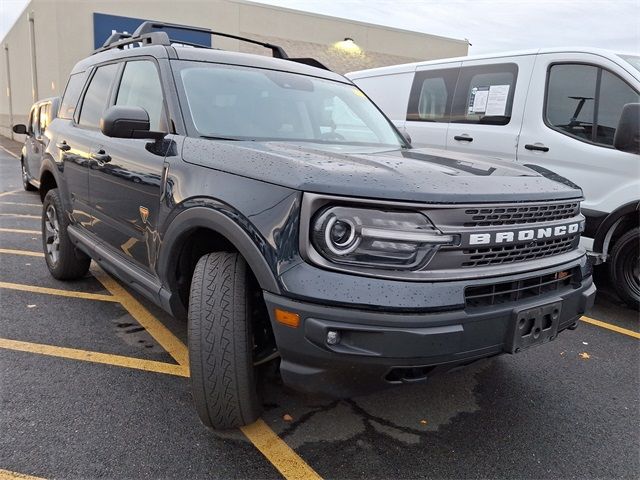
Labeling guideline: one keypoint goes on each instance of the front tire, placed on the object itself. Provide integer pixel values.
(220, 342)
(25, 179)
(624, 268)
(64, 261)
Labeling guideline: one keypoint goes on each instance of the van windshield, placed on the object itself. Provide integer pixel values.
(241, 103)
(633, 60)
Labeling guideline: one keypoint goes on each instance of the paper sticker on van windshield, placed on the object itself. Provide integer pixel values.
(488, 100)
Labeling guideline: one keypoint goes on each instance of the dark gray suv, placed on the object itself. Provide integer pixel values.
(272, 204)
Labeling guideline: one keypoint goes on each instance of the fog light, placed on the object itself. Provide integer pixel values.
(333, 337)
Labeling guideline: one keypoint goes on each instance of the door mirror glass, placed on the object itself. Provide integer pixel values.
(20, 128)
(627, 136)
(121, 121)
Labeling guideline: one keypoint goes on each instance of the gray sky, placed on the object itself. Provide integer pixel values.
(490, 25)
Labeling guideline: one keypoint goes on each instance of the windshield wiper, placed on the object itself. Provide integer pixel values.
(213, 137)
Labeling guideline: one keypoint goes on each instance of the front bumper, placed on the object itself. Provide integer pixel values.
(378, 349)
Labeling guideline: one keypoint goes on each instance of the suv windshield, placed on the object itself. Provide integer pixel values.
(243, 103)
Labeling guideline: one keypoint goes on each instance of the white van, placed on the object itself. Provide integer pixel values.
(559, 109)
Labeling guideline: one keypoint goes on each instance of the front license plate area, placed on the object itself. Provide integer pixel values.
(533, 326)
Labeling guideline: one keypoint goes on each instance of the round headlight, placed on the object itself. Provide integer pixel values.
(340, 235)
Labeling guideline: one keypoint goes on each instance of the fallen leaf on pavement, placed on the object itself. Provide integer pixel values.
(585, 356)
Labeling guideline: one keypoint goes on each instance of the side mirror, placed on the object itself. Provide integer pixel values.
(20, 129)
(627, 136)
(120, 121)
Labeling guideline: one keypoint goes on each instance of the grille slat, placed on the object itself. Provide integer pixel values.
(493, 216)
(507, 292)
(517, 253)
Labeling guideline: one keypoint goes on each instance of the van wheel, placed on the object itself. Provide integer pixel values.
(65, 262)
(25, 179)
(625, 267)
(220, 342)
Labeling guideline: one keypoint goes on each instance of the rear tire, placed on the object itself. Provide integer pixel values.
(624, 267)
(65, 262)
(220, 342)
(25, 179)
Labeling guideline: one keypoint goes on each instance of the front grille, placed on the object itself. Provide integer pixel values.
(505, 292)
(478, 257)
(513, 215)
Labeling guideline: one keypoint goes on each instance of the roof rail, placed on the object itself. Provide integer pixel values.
(147, 34)
(147, 27)
(120, 40)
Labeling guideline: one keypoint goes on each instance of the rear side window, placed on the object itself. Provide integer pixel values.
(71, 96)
(432, 95)
(484, 94)
(140, 87)
(44, 116)
(585, 101)
(97, 95)
(33, 121)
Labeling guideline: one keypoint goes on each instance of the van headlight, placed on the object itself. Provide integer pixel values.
(376, 238)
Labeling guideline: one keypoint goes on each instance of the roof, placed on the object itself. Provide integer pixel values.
(207, 55)
(409, 67)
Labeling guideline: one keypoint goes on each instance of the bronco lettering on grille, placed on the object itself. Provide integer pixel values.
(512, 236)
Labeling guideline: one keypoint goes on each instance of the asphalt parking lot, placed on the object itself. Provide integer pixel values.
(93, 385)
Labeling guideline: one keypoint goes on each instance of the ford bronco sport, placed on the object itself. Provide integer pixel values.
(269, 202)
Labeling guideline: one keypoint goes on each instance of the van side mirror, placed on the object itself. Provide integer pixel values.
(627, 136)
(20, 129)
(120, 121)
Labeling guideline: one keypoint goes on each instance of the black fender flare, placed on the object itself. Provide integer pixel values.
(213, 219)
(609, 221)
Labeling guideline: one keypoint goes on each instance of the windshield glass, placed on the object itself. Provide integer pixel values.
(634, 60)
(242, 103)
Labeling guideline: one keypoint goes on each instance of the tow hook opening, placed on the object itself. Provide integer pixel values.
(408, 374)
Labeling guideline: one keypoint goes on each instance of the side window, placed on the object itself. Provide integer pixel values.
(140, 87)
(484, 94)
(97, 95)
(71, 96)
(613, 96)
(44, 117)
(33, 122)
(585, 101)
(571, 95)
(432, 95)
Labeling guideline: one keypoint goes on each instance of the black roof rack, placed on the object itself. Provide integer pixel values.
(147, 34)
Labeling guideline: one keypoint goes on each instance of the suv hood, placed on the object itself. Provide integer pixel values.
(415, 175)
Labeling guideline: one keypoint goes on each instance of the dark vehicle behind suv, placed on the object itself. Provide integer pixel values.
(36, 141)
(273, 205)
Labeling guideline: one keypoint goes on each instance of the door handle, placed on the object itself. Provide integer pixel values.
(463, 138)
(539, 148)
(63, 146)
(101, 156)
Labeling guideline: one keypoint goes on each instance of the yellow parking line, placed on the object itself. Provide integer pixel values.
(281, 455)
(9, 151)
(275, 450)
(609, 326)
(10, 192)
(9, 475)
(21, 204)
(19, 230)
(95, 357)
(61, 293)
(28, 253)
(162, 334)
(20, 215)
